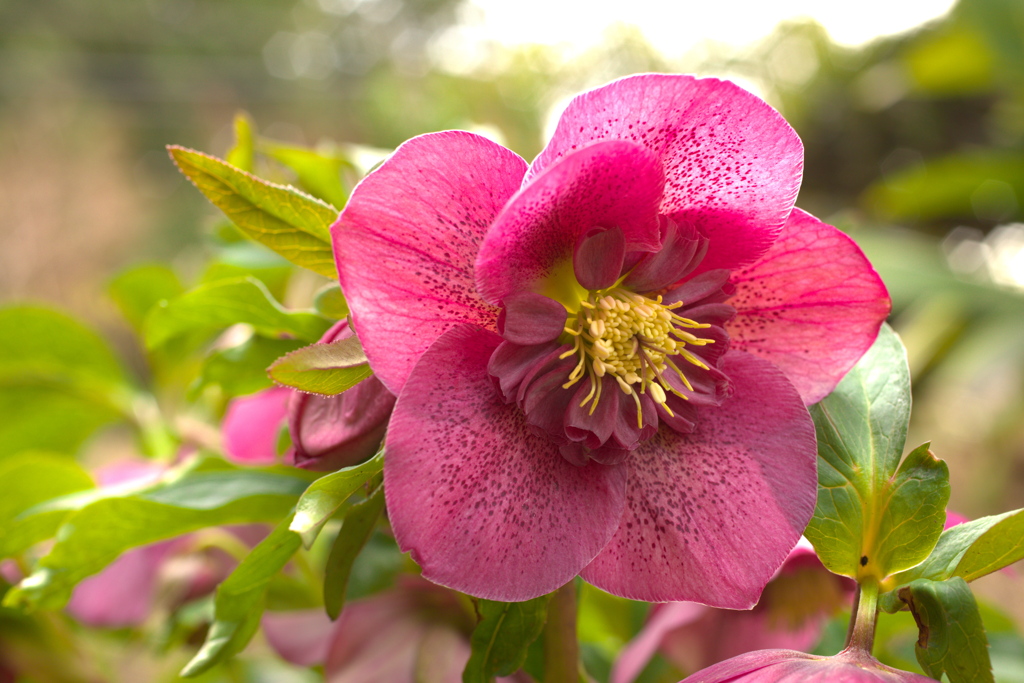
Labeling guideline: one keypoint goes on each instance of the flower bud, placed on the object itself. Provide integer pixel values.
(331, 432)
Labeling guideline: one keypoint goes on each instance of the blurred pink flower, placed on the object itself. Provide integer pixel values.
(602, 359)
(789, 666)
(791, 614)
(171, 572)
(327, 432)
(413, 632)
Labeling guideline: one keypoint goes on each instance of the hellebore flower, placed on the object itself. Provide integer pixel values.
(789, 666)
(327, 432)
(791, 614)
(415, 631)
(602, 360)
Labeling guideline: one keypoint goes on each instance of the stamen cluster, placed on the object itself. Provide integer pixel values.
(633, 339)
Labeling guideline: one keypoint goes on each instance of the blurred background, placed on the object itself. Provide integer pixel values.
(911, 112)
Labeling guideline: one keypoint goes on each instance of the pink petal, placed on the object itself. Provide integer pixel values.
(812, 305)
(300, 637)
(732, 163)
(608, 184)
(483, 505)
(597, 262)
(711, 515)
(406, 243)
(123, 593)
(251, 426)
(663, 620)
(791, 666)
(529, 318)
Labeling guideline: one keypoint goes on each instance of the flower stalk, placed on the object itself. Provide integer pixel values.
(561, 647)
(861, 635)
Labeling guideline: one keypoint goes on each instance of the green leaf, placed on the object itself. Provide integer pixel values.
(46, 346)
(242, 369)
(319, 172)
(243, 155)
(227, 302)
(240, 599)
(330, 303)
(29, 481)
(138, 289)
(874, 517)
(952, 638)
(502, 637)
(327, 494)
(325, 369)
(50, 419)
(94, 536)
(973, 549)
(356, 530)
(288, 221)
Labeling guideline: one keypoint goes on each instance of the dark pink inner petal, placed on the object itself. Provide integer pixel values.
(711, 515)
(511, 363)
(597, 262)
(709, 287)
(732, 163)
(610, 184)
(681, 251)
(812, 305)
(485, 506)
(406, 243)
(529, 318)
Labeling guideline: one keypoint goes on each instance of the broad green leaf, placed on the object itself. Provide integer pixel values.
(973, 549)
(241, 597)
(325, 369)
(44, 345)
(50, 419)
(356, 530)
(28, 481)
(227, 302)
(871, 518)
(952, 637)
(319, 172)
(242, 369)
(330, 302)
(288, 221)
(138, 289)
(94, 536)
(243, 155)
(502, 637)
(327, 494)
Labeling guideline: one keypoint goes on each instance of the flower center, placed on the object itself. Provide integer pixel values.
(634, 339)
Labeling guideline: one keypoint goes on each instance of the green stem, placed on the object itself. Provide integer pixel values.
(862, 623)
(561, 649)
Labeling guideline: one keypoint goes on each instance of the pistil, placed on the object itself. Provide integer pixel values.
(633, 339)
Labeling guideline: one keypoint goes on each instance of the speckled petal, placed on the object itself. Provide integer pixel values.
(812, 305)
(732, 163)
(483, 505)
(711, 515)
(406, 243)
(608, 184)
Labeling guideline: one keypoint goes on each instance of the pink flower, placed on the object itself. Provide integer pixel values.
(789, 666)
(791, 613)
(602, 359)
(172, 572)
(415, 631)
(327, 432)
